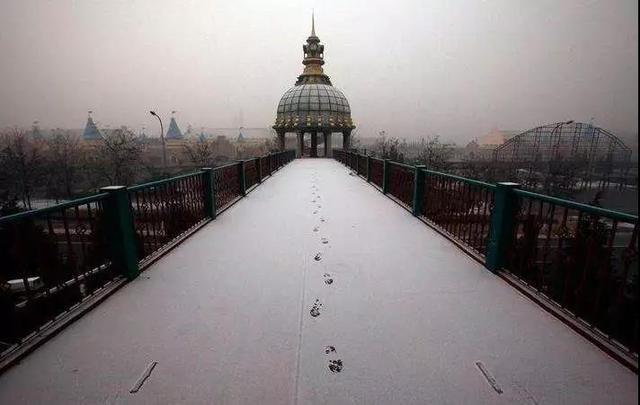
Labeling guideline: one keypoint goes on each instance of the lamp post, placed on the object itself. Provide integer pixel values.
(555, 129)
(164, 146)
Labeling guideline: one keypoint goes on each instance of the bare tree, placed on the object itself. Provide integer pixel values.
(117, 159)
(63, 161)
(21, 164)
(272, 144)
(389, 148)
(354, 140)
(201, 151)
(434, 154)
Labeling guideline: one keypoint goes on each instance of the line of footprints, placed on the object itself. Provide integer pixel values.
(335, 364)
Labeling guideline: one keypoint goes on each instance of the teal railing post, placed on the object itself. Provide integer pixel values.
(385, 176)
(259, 168)
(368, 169)
(242, 178)
(120, 232)
(502, 222)
(418, 189)
(209, 194)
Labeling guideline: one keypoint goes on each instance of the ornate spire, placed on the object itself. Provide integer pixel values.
(313, 59)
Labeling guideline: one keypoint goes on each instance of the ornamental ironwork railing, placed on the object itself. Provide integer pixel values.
(59, 260)
(52, 259)
(400, 183)
(361, 164)
(375, 172)
(578, 261)
(166, 209)
(251, 173)
(584, 258)
(226, 185)
(459, 207)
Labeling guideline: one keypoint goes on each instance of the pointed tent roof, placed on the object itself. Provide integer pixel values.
(91, 131)
(240, 136)
(174, 131)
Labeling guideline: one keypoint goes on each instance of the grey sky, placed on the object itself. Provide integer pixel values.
(412, 68)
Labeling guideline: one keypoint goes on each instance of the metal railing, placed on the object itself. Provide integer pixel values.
(459, 207)
(226, 185)
(582, 257)
(56, 258)
(579, 261)
(375, 173)
(361, 165)
(400, 182)
(251, 173)
(52, 259)
(166, 209)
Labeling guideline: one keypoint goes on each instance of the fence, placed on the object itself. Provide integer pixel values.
(57, 258)
(584, 258)
(578, 259)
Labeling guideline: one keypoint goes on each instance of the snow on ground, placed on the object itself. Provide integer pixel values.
(317, 289)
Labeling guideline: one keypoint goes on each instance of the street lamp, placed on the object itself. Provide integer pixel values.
(556, 128)
(164, 146)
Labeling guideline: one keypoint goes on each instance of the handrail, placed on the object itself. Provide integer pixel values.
(464, 179)
(590, 209)
(41, 211)
(163, 181)
(404, 165)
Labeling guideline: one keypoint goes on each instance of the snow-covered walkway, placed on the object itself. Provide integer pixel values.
(318, 289)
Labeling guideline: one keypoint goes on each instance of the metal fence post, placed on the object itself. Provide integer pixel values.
(242, 178)
(259, 168)
(368, 169)
(385, 176)
(418, 189)
(120, 233)
(505, 207)
(209, 194)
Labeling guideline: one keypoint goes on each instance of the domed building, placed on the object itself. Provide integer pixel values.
(313, 106)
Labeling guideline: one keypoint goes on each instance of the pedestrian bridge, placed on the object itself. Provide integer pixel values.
(317, 289)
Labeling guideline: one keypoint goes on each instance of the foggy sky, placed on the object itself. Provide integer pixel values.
(411, 68)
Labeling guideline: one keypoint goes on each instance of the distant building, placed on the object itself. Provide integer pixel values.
(35, 131)
(313, 105)
(482, 148)
(91, 132)
(174, 131)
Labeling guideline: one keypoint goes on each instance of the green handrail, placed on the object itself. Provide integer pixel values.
(460, 178)
(590, 209)
(163, 181)
(42, 211)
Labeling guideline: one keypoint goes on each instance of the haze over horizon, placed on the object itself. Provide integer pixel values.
(410, 68)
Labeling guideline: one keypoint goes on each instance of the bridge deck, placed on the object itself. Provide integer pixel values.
(226, 315)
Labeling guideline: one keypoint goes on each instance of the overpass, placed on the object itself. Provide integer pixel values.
(316, 288)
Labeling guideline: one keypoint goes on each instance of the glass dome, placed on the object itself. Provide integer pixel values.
(313, 106)
(313, 98)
